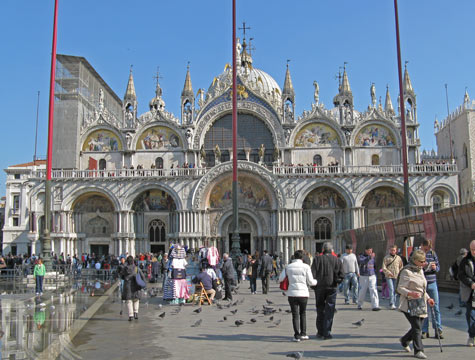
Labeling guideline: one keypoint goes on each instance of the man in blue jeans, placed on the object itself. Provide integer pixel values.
(430, 272)
(392, 265)
(352, 273)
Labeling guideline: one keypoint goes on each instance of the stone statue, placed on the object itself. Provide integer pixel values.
(262, 151)
(316, 94)
(201, 98)
(189, 136)
(217, 152)
(276, 154)
(287, 134)
(203, 153)
(129, 118)
(288, 112)
(373, 94)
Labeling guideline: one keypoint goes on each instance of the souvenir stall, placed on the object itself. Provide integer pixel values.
(176, 289)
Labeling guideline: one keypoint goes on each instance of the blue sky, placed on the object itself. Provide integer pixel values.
(318, 36)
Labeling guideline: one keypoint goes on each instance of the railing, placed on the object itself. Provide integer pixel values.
(281, 170)
(365, 169)
(121, 173)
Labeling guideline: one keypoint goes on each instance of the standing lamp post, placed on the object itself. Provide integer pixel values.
(407, 210)
(235, 244)
(46, 246)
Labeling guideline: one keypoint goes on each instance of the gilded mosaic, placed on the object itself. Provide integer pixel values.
(383, 197)
(93, 203)
(375, 135)
(154, 200)
(324, 198)
(249, 192)
(315, 135)
(102, 140)
(158, 137)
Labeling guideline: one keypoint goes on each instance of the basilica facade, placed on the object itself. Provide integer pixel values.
(129, 182)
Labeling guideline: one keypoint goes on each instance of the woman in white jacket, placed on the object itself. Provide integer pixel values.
(300, 277)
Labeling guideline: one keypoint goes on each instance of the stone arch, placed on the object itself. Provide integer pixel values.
(223, 222)
(160, 136)
(216, 112)
(384, 132)
(347, 197)
(268, 182)
(70, 200)
(139, 189)
(449, 197)
(105, 138)
(322, 124)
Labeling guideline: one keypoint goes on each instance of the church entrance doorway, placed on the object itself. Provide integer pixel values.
(100, 250)
(155, 249)
(244, 241)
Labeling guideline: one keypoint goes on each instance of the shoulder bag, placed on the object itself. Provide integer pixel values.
(284, 284)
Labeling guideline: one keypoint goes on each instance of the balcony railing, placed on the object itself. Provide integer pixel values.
(121, 173)
(280, 170)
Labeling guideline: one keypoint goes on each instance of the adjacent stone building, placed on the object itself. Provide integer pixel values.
(129, 182)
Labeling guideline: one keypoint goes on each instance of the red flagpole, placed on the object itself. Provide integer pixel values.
(51, 95)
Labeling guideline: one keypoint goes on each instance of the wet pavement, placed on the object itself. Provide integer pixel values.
(83, 321)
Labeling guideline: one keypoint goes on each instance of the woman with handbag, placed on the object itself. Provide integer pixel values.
(412, 286)
(299, 276)
(131, 290)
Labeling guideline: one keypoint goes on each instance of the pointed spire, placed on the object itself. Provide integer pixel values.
(345, 84)
(407, 80)
(466, 98)
(388, 105)
(246, 59)
(187, 88)
(288, 86)
(130, 92)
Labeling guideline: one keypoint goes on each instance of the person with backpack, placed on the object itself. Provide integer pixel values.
(392, 265)
(131, 290)
(454, 269)
(466, 275)
(412, 286)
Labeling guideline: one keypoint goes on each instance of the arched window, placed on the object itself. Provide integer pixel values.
(375, 160)
(159, 163)
(323, 229)
(317, 159)
(102, 164)
(156, 231)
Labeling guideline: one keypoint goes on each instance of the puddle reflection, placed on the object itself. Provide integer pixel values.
(31, 324)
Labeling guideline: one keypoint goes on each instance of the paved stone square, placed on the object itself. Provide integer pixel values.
(109, 335)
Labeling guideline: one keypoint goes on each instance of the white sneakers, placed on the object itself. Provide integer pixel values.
(393, 307)
(304, 337)
(471, 342)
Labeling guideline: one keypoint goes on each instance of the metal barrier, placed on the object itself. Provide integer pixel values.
(449, 230)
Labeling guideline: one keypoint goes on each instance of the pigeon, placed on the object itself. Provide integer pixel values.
(198, 323)
(295, 355)
(159, 306)
(450, 307)
(162, 315)
(225, 318)
(177, 311)
(234, 303)
(234, 311)
(271, 318)
(84, 308)
(255, 311)
(198, 310)
(288, 311)
(269, 302)
(219, 306)
(43, 305)
(359, 323)
(458, 313)
(238, 322)
(277, 323)
(121, 312)
(241, 301)
(253, 320)
(280, 310)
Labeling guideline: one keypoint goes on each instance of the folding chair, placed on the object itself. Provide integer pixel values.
(201, 293)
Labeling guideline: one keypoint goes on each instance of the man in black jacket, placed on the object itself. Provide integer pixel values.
(466, 276)
(327, 270)
(265, 271)
(227, 270)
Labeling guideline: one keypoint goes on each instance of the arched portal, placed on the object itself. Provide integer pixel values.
(157, 236)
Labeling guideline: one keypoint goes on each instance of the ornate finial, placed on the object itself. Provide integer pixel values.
(130, 91)
(188, 65)
(250, 47)
(131, 68)
(157, 77)
(244, 28)
(288, 60)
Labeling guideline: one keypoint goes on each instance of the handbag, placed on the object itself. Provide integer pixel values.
(417, 307)
(284, 284)
(139, 280)
(178, 274)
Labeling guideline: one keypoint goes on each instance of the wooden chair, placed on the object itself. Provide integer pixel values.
(201, 293)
